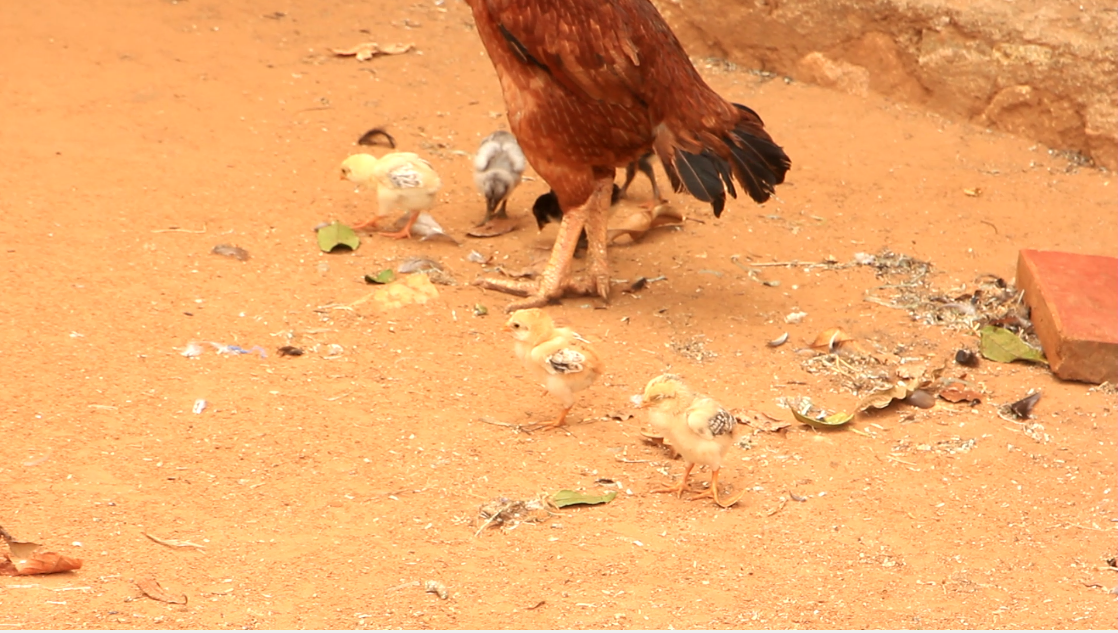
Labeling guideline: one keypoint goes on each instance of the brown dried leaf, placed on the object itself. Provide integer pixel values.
(1023, 408)
(495, 227)
(44, 563)
(830, 340)
(156, 591)
(761, 421)
(957, 390)
(369, 50)
(640, 220)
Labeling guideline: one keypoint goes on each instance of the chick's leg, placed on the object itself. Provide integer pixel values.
(712, 492)
(547, 426)
(405, 232)
(678, 488)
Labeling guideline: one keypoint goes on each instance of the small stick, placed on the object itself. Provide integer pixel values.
(175, 229)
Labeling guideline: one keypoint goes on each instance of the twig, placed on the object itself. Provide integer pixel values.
(488, 420)
(175, 229)
(899, 460)
(783, 502)
(414, 583)
(493, 517)
(174, 542)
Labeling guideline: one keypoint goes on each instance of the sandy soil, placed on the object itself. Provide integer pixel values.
(322, 485)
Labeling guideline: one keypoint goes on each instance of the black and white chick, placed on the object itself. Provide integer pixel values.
(498, 167)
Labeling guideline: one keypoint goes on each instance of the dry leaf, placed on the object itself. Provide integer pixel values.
(1023, 408)
(170, 542)
(640, 220)
(957, 390)
(494, 227)
(44, 563)
(974, 193)
(156, 591)
(24, 559)
(369, 50)
(830, 340)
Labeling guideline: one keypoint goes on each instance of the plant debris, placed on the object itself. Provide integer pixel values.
(815, 417)
(369, 50)
(385, 276)
(778, 341)
(495, 227)
(370, 137)
(693, 349)
(564, 498)
(1001, 345)
(337, 234)
(437, 588)
(290, 350)
(641, 220)
(510, 513)
(949, 446)
(228, 250)
(959, 390)
(174, 543)
(152, 589)
(433, 269)
(25, 559)
(1023, 408)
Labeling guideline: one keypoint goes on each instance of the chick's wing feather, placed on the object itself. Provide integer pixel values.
(707, 419)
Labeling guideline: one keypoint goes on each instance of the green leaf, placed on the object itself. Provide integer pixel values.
(337, 234)
(385, 276)
(829, 422)
(1002, 346)
(565, 498)
(480, 310)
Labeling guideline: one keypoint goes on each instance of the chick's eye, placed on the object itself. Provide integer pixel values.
(516, 326)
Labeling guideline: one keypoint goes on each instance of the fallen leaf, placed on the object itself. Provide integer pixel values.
(156, 591)
(974, 193)
(337, 234)
(831, 339)
(24, 559)
(778, 341)
(290, 350)
(1023, 408)
(641, 220)
(565, 498)
(427, 229)
(385, 276)
(828, 422)
(761, 421)
(170, 542)
(957, 390)
(495, 227)
(370, 137)
(883, 398)
(44, 563)
(228, 250)
(1001, 345)
(369, 50)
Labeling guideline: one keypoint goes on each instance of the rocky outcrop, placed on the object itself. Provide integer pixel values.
(1043, 70)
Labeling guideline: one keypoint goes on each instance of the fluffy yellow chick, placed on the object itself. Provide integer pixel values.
(403, 181)
(559, 358)
(695, 425)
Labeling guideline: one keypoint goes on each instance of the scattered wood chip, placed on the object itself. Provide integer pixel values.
(25, 559)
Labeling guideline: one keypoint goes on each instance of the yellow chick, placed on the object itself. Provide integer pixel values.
(695, 425)
(403, 181)
(558, 357)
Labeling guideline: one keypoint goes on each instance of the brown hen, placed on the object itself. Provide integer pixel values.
(592, 85)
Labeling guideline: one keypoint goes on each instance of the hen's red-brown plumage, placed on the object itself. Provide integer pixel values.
(592, 85)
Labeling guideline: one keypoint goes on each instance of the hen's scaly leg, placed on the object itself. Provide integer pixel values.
(369, 225)
(552, 282)
(678, 488)
(597, 232)
(406, 231)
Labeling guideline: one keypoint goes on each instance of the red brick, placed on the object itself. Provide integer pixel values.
(1074, 302)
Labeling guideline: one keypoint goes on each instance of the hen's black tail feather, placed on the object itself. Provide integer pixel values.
(756, 161)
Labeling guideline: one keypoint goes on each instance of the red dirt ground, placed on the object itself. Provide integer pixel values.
(321, 485)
